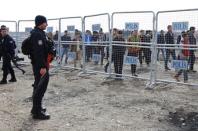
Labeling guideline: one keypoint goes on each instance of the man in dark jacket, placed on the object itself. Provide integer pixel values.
(8, 47)
(95, 38)
(141, 51)
(169, 38)
(40, 68)
(65, 46)
(147, 50)
(1, 48)
(118, 54)
(192, 41)
(161, 40)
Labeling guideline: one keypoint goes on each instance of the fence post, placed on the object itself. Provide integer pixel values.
(59, 41)
(110, 46)
(153, 66)
(83, 40)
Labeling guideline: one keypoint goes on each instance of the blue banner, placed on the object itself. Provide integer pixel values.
(71, 28)
(131, 26)
(180, 64)
(96, 27)
(49, 29)
(96, 57)
(131, 60)
(28, 29)
(71, 56)
(180, 26)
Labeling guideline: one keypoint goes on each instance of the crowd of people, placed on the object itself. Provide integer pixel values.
(137, 44)
(184, 51)
(97, 42)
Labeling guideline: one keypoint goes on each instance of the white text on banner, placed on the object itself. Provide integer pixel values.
(180, 26)
(71, 56)
(71, 28)
(28, 29)
(131, 26)
(49, 29)
(96, 27)
(130, 60)
(180, 64)
(96, 57)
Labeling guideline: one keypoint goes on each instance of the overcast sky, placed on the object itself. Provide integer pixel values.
(28, 9)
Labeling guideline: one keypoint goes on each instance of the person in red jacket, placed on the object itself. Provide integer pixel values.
(184, 55)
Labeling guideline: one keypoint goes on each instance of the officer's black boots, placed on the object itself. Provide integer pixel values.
(13, 80)
(5, 74)
(42, 109)
(3, 82)
(41, 116)
(38, 111)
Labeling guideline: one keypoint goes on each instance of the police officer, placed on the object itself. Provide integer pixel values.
(1, 49)
(40, 67)
(8, 53)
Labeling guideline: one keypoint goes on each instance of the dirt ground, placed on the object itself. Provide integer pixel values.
(93, 103)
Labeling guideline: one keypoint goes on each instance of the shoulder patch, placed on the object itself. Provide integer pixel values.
(40, 42)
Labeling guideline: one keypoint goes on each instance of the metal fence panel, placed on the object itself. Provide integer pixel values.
(96, 42)
(176, 51)
(132, 53)
(71, 53)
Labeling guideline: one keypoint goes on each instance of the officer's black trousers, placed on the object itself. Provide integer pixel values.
(7, 68)
(40, 87)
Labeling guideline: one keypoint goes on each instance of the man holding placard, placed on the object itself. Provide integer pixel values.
(184, 55)
(134, 50)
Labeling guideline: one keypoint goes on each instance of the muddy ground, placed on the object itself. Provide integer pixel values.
(94, 103)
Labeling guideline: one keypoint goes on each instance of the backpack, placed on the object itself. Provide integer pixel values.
(26, 46)
(1, 48)
(51, 47)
